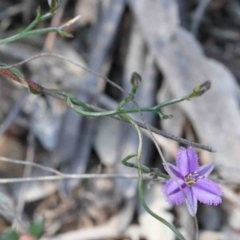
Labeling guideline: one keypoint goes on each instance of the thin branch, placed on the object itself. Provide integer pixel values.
(61, 175)
(28, 32)
(22, 162)
(68, 176)
(36, 88)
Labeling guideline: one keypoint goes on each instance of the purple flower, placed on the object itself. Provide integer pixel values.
(193, 181)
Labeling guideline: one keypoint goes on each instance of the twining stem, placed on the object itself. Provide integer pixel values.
(38, 89)
(32, 33)
(28, 31)
(162, 220)
(173, 101)
(152, 171)
(142, 169)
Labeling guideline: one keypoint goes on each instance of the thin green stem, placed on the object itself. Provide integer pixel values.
(140, 181)
(135, 79)
(144, 109)
(155, 109)
(31, 33)
(173, 101)
(162, 220)
(139, 151)
(144, 169)
(72, 102)
(37, 20)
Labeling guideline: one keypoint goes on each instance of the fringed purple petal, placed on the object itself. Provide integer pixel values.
(172, 170)
(197, 186)
(191, 203)
(207, 191)
(173, 193)
(187, 161)
(206, 169)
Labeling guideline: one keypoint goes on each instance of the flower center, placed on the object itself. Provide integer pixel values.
(192, 178)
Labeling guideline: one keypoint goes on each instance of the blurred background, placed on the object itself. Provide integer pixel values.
(174, 45)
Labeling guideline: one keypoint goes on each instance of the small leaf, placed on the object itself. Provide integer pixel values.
(19, 75)
(13, 74)
(36, 229)
(38, 16)
(65, 34)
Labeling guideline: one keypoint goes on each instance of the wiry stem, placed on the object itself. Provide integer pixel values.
(30, 32)
(90, 110)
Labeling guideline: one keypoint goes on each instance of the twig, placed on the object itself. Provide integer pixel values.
(36, 88)
(28, 32)
(65, 59)
(67, 176)
(59, 175)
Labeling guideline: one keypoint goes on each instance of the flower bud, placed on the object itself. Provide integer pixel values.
(201, 89)
(53, 4)
(135, 79)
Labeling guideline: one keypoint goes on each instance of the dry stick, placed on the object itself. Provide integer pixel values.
(36, 165)
(140, 124)
(69, 176)
(59, 175)
(41, 90)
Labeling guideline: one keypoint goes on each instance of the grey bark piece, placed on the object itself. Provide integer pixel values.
(121, 139)
(106, 141)
(140, 62)
(215, 115)
(84, 131)
(152, 229)
(156, 18)
(87, 9)
(175, 124)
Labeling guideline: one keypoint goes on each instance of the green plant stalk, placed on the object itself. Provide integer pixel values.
(73, 102)
(162, 220)
(144, 169)
(87, 109)
(31, 33)
(37, 20)
(133, 165)
(140, 181)
(134, 80)
(173, 101)
(197, 92)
